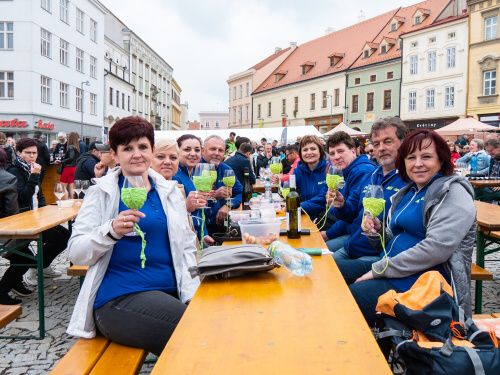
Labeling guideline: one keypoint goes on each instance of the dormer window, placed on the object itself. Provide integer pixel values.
(279, 75)
(369, 48)
(383, 49)
(420, 15)
(307, 66)
(396, 22)
(335, 58)
(366, 53)
(394, 26)
(417, 20)
(386, 45)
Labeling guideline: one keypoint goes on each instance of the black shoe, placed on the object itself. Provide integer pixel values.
(8, 300)
(22, 291)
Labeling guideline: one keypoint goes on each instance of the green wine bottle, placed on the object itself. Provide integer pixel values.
(292, 210)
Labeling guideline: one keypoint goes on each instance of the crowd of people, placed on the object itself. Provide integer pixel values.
(427, 222)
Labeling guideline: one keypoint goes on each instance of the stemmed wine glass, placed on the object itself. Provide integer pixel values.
(85, 184)
(59, 193)
(373, 201)
(334, 178)
(285, 189)
(78, 188)
(213, 177)
(276, 167)
(229, 180)
(202, 178)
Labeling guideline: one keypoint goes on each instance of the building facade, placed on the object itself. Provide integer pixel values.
(213, 120)
(51, 67)
(484, 61)
(176, 114)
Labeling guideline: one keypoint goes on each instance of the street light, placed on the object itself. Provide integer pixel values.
(86, 83)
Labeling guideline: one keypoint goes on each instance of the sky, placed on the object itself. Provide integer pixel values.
(206, 41)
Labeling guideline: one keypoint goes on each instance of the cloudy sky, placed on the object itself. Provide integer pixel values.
(206, 41)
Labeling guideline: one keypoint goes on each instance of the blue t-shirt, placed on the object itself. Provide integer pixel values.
(124, 274)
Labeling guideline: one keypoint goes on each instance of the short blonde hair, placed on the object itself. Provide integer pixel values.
(165, 143)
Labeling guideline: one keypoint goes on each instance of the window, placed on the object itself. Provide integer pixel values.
(118, 98)
(79, 100)
(93, 67)
(354, 104)
(373, 78)
(128, 103)
(357, 81)
(6, 35)
(259, 111)
(387, 100)
(63, 94)
(412, 101)
(414, 44)
(45, 46)
(366, 53)
(394, 26)
(490, 27)
(246, 113)
(241, 91)
(429, 99)
(6, 85)
(79, 20)
(46, 89)
(336, 94)
(93, 30)
(431, 61)
(449, 96)
(432, 40)
(369, 102)
(207, 124)
(413, 64)
(313, 102)
(217, 124)
(451, 35)
(323, 101)
(110, 96)
(123, 101)
(269, 109)
(63, 52)
(64, 10)
(248, 89)
(450, 57)
(234, 93)
(489, 82)
(240, 114)
(383, 49)
(79, 60)
(390, 75)
(296, 104)
(417, 20)
(93, 104)
(283, 106)
(46, 4)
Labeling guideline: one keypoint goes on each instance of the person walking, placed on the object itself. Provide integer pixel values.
(69, 164)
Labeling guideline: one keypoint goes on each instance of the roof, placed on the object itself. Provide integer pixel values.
(435, 7)
(440, 22)
(269, 58)
(348, 41)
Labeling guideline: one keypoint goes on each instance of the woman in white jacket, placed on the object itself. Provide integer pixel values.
(129, 304)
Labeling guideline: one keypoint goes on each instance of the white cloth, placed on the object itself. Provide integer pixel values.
(89, 244)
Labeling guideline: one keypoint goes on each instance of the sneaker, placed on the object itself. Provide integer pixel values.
(51, 272)
(22, 291)
(30, 277)
(8, 300)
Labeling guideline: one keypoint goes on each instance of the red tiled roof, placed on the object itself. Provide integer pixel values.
(389, 40)
(371, 45)
(440, 22)
(399, 18)
(308, 63)
(348, 41)
(283, 72)
(435, 8)
(423, 10)
(337, 54)
(269, 58)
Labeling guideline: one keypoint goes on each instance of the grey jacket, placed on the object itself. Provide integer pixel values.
(450, 218)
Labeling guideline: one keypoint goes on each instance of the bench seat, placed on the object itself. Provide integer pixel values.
(479, 273)
(8, 313)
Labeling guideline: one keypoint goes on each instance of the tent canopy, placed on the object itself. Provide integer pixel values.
(344, 128)
(466, 125)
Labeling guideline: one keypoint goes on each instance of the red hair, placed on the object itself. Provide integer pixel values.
(419, 139)
(128, 129)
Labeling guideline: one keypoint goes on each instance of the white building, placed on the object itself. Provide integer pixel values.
(51, 64)
(214, 120)
(434, 73)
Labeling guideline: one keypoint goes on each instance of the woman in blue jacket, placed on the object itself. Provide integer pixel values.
(311, 176)
(477, 158)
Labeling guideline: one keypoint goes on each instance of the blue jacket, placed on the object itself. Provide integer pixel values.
(238, 163)
(479, 162)
(356, 177)
(357, 245)
(312, 188)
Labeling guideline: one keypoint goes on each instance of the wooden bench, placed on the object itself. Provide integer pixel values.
(80, 271)
(486, 316)
(100, 356)
(8, 313)
(479, 273)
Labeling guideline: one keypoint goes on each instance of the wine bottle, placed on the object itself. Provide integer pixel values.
(292, 210)
(247, 189)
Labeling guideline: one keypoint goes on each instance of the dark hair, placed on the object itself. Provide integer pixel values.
(292, 148)
(386, 122)
(306, 139)
(240, 141)
(263, 139)
(38, 134)
(495, 143)
(245, 147)
(232, 133)
(128, 129)
(422, 138)
(340, 137)
(74, 140)
(3, 158)
(25, 143)
(185, 137)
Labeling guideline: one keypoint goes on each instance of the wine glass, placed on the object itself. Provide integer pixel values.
(85, 184)
(262, 172)
(213, 176)
(229, 180)
(202, 178)
(373, 201)
(78, 188)
(276, 167)
(285, 189)
(334, 178)
(59, 193)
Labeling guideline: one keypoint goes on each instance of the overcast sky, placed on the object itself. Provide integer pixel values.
(206, 41)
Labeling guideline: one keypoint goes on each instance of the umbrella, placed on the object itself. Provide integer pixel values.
(344, 128)
(465, 126)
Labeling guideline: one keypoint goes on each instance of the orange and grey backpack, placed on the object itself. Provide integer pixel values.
(430, 333)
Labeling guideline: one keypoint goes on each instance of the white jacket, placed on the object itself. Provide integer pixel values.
(89, 244)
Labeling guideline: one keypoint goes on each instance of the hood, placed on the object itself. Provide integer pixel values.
(359, 161)
(304, 168)
(440, 187)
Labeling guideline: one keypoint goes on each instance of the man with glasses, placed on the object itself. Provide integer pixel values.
(370, 152)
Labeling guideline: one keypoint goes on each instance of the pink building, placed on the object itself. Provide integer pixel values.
(214, 120)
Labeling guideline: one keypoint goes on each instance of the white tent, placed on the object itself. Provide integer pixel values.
(344, 128)
(255, 134)
(466, 125)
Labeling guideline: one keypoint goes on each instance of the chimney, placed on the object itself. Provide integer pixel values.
(293, 44)
(277, 49)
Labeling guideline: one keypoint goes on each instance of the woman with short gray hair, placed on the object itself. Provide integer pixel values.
(477, 158)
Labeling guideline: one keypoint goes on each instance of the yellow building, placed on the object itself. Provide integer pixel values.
(484, 60)
(176, 106)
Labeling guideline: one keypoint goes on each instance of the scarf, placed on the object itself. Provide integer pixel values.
(25, 166)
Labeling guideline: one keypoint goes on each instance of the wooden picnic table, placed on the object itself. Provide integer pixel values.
(29, 225)
(258, 187)
(479, 184)
(274, 322)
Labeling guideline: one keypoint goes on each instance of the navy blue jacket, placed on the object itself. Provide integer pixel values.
(312, 188)
(238, 163)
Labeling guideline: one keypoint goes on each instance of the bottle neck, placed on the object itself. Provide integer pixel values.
(292, 182)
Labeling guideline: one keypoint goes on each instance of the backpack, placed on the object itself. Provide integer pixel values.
(430, 334)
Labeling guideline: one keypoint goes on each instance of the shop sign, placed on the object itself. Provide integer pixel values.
(15, 123)
(44, 125)
(430, 124)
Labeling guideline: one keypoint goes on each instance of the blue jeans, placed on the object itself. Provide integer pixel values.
(341, 254)
(336, 243)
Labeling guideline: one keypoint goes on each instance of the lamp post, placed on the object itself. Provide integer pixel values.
(86, 83)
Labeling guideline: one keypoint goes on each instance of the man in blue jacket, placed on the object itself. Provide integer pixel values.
(386, 135)
(213, 152)
(241, 160)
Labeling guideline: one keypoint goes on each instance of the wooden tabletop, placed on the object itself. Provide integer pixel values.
(485, 183)
(258, 187)
(275, 323)
(488, 216)
(31, 223)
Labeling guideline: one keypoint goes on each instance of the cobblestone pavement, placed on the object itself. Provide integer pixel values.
(39, 356)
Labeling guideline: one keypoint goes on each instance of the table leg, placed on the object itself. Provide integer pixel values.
(480, 244)
(41, 291)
